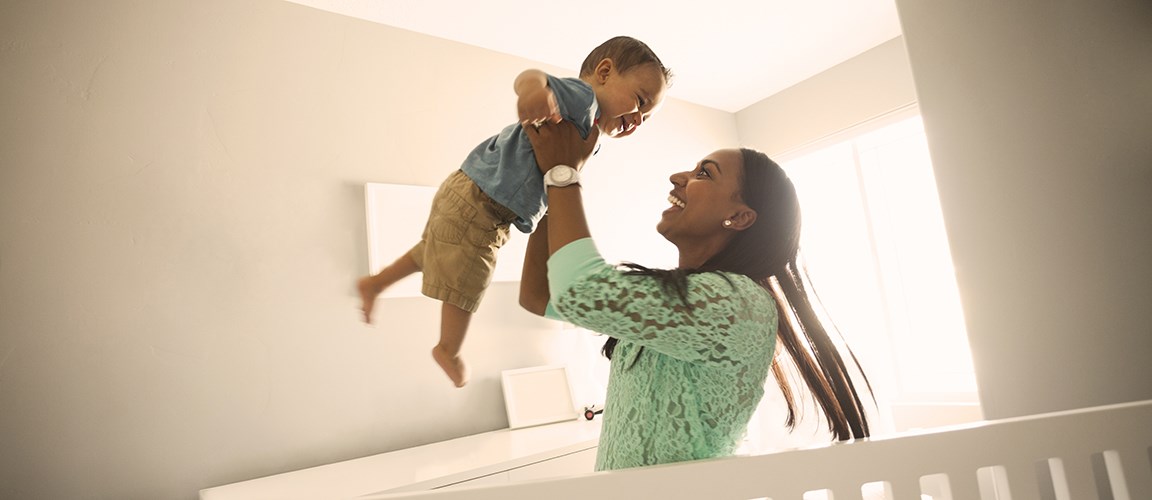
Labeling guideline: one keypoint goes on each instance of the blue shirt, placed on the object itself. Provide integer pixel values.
(504, 166)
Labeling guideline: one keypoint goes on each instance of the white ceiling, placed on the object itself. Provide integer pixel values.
(726, 54)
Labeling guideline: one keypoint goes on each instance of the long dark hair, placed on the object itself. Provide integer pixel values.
(767, 252)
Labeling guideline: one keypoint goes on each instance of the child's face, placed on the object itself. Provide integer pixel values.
(626, 99)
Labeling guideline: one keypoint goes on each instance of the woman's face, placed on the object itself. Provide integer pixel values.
(703, 198)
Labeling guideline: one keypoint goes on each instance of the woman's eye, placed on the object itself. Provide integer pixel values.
(703, 173)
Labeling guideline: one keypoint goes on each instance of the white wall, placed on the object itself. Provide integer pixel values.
(182, 220)
(872, 84)
(1039, 119)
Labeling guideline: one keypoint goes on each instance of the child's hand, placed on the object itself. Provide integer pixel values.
(537, 106)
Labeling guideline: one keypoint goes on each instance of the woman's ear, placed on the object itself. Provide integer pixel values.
(603, 69)
(742, 219)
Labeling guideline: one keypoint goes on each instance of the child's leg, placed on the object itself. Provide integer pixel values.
(453, 326)
(371, 286)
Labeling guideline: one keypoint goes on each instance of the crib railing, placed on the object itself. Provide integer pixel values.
(1102, 453)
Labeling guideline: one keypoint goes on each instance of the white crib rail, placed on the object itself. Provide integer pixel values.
(1100, 453)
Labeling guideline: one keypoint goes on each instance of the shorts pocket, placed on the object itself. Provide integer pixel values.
(451, 217)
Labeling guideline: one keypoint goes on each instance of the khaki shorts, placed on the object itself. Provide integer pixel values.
(457, 252)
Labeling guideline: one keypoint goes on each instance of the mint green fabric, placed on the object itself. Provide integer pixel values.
(691, 391)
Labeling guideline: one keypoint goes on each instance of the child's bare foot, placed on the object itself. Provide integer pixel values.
(368, 292)
(453, 366)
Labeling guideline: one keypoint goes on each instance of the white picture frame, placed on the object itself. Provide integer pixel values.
(396, 215)
(537, 395)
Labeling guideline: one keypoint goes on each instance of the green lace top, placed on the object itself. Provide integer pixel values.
(690, 392)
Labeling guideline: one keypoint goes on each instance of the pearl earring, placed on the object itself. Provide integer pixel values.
(727, 223)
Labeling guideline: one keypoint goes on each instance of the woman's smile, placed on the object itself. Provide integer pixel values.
(677, 204)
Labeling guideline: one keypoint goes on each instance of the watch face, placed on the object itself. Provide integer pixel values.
(561, 175)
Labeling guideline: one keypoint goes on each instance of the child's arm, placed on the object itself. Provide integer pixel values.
(535, 103)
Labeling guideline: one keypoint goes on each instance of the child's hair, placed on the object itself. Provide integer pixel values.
(626, 52)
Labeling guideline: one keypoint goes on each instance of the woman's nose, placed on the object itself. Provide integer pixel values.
(678, 178)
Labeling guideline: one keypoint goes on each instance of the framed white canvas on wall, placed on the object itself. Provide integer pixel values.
(537, 395)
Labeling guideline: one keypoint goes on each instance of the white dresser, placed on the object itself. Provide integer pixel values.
(551, 450)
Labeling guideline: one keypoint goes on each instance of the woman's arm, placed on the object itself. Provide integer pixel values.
(554, 144)
(561, 144)
(534, 293)
(568, 222)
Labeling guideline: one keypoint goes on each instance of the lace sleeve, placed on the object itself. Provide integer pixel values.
(725, 320)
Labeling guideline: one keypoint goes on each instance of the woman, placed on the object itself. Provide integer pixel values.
(690, 347)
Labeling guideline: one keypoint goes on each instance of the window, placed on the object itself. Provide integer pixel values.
(876, 250)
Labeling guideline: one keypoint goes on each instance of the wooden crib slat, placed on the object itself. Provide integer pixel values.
(905, 488)
(1136, 462)
(1079, 478)
(846, 491)
(1022, 481)
(963, 484)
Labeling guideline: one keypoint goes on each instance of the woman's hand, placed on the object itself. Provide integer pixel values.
(561, 144)
(537, 106)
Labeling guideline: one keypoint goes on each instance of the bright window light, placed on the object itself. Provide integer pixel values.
(875, 246)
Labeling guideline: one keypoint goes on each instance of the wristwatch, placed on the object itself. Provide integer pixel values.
(561, 175)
